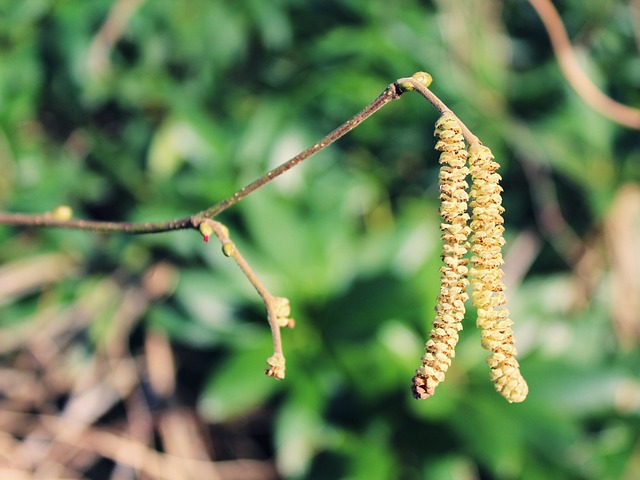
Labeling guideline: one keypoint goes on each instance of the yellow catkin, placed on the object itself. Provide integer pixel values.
(440, 347)
(486, 275)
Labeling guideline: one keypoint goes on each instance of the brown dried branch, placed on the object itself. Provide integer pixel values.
(574, 73)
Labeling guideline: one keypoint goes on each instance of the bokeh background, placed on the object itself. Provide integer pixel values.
(143, 356)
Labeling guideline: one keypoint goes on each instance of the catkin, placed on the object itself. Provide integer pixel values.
(486, 275)
(450, 310)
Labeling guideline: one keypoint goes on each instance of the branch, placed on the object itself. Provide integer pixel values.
(575, 75)
(58, 219)
(420, 82)
(392, 92)
(55, 220)
(278, 309)
(61, 216)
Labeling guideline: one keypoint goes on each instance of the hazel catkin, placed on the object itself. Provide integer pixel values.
(450, 310)
(486, 275)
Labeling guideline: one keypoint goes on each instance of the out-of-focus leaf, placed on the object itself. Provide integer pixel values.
(239, 385)
(301, 431)
(451, 467)
(172, 143)
(369, 454)
(180, 328)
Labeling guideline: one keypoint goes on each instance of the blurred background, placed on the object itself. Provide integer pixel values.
(143, 356)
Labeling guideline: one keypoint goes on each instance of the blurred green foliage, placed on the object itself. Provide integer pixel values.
(194, 99)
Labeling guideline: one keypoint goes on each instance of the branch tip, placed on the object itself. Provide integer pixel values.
(423, 78)
(276, 366)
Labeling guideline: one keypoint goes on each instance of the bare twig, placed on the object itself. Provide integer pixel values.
(52, 221)
(277, 307)
(392, 92)
(417, 83)
(58, 217)
(55, 220)
(575, 75)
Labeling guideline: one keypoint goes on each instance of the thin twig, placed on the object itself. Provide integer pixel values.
(392, 92)
(418, 82)
(634, 7)
(438, 104)
(50, 220)
(277, 307)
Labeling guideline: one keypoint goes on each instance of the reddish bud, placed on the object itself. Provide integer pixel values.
(206, 230)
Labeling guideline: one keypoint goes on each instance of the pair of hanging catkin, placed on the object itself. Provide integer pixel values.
(485, 272)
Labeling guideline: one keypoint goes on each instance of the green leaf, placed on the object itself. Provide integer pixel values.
(239, 385)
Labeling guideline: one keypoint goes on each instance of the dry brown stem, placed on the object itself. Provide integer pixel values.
(575, 74)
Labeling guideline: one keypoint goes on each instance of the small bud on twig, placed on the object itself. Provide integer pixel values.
(62, 213)
(206, 229)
